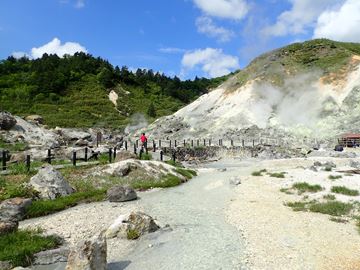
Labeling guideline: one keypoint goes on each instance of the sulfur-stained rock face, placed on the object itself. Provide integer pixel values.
(50, 183)
(89, 254)
(7, 121)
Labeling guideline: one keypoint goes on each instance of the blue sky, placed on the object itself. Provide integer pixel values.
(178, 37)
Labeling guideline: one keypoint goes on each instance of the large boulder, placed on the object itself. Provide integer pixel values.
(89, 254)
(50, 183)
(51, 256)
(132, 226)
(121, 194)
(35, 119)
(7, 121)
(14, 209)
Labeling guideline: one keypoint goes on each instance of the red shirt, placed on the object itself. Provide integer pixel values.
(143, 138)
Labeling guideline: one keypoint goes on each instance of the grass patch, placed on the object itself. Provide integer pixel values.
(277, 175)
(132, 234)
(329, 197)
(345, 191)
(333, 208)
(169, 180)
(11, 189)
(12, 147)
(186, 172)
(286, 191)
(297, 206)
(258, 173)
(145, 156)
(334, 177)
(305, 187)
(46, 207)
(175, 164)
(328, 169)
(20, 246)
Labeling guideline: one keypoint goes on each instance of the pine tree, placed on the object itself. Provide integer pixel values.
(151, 110)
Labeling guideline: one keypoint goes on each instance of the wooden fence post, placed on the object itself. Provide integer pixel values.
(86, 154)
(243, 143)
(161, 155)
(159, 143)
(175, 143)
(49, 156)
(135, 148)
(74, 158)
(209, 142)
(110, 155)
(192, 143)
(3, 160)
(28, 162)
(170, 144)
(126, 146)
(115, 153)
(204, 142)
(174, 157)
(154, 146)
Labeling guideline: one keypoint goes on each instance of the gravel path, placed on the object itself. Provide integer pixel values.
(279, 238)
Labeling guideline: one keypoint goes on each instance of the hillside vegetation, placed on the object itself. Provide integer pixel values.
(319, 55)
(73, 91)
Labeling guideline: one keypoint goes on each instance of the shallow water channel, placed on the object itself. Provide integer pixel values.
(198, 236)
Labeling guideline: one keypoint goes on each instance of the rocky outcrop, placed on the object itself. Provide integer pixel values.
(132, 226)
(37, 119)
(5, 265)
(7, 121)
(14, 209)
(89, 254)
(73, 134)
(50, 183)
(121, 194)
(11, 212)
(51, 256)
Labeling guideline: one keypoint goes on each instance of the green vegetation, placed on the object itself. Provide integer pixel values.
(73, 91)
(329, 197)
(344, 190)
(20, 246)
(175, 164)
(305, 187)
(338, 220)
(11, 189)
(258, 173)
(186, 172)
(333, 208)
(46, 207)
(277, 175)
(145, 156)
(334, 177)
(314, 55)
(328, 169)
(132, 234)
(297, 206)
(12, 147)
(286, 191)
(169, 180)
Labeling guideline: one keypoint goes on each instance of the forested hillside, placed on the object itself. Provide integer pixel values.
(73, 91)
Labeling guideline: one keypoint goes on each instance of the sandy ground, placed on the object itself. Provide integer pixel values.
(279, 238)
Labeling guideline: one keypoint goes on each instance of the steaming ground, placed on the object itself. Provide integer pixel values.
(306, 105)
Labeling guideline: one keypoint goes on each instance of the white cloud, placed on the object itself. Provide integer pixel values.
(19, 55)
(172, 50)
(80, 4)
(341, 24)
(53, 47)
(299, 18)
(229, 9)
(206, 26)
(212, 61)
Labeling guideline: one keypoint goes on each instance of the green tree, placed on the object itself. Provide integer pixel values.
(151, 110)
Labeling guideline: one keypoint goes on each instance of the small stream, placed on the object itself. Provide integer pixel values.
(199, 236)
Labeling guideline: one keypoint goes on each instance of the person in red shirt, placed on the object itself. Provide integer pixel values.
(143, 140)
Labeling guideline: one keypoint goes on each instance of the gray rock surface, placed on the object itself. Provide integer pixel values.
(5, 265)
(137, 223)
(355, 164)
(50, 183)
(14, 209)
(7, 121)
(235, 180)
(51, 256)
(89, 254)
(121, 194)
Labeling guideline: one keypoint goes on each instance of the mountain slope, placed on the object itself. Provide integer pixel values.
(74, 91)
(305, 89)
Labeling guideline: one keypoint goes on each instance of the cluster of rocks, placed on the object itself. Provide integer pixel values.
(327, 166)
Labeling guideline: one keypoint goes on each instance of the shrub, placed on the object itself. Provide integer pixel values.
(334, 177)
(344, 190)
(333, 208)
(305, 187)
(277, 175)
(132, 234)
